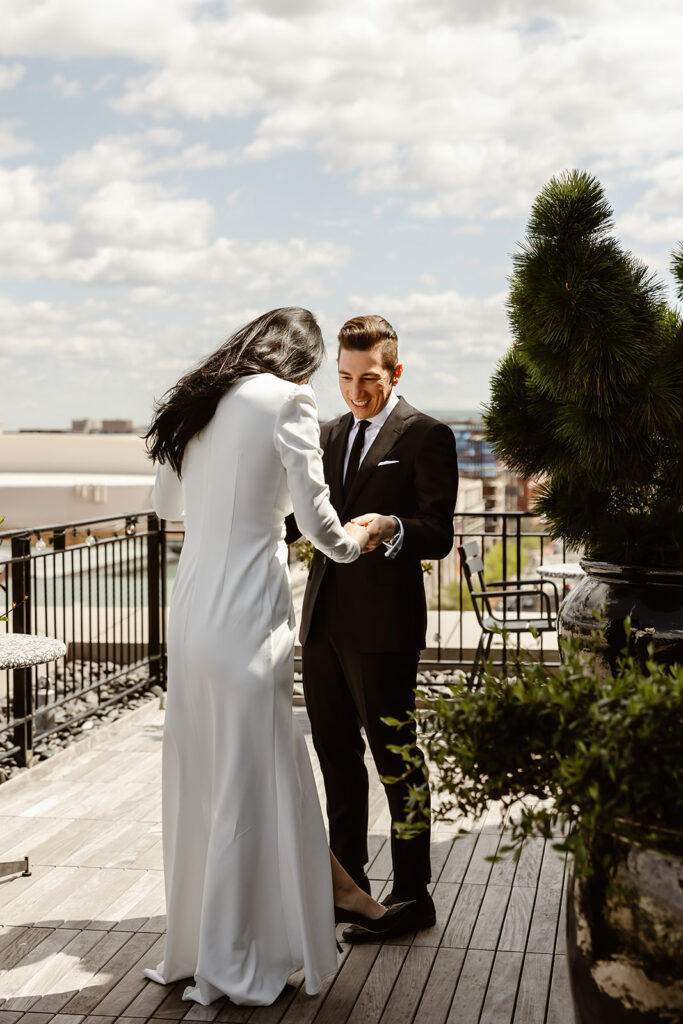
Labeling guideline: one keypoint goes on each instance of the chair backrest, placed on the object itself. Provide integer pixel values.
(472, 565)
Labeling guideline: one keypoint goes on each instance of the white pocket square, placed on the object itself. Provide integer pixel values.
(388, 462)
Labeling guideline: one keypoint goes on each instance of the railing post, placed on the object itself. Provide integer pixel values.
(155, 539)
(22, 692)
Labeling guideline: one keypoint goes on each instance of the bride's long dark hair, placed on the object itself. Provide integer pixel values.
(286, 342)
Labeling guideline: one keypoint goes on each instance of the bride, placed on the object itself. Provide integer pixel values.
(252, 891)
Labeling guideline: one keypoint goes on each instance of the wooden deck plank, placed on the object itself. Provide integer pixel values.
(273, 1014)
(24, 941)
(127, 911)
(471, 988)
(375, 844)
(479, 868)
(9, 934)
(9, 1016)
(99, 887)
(464, 916)
(35, 1018)
(348, 984)
(172, 1005)
(534, 984)
(54, 988)
(552, 868)
(517, 919)
(94, 837)
(131, 983)
(232, 1014)
(502, 988)
(20, 836)
(409, 986)
(153, 858)
(561, 940)
(151, 995)
(490, 917)
(381, 867)
(378, 986)
(81, 972)
(458, 860)
(197, 1012)
(304, 1008)
(439, 851)
(435, 1000)
(116, 968)
(560, 1005)
(57, 848)
(444, 895)
(544, 921)
(21, 986)
(529, 863)
(37, 904)
(18, 890)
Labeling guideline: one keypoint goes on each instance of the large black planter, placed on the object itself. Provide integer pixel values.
(624, 946)
(653, 598)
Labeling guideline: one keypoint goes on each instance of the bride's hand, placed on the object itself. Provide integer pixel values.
(359, 534)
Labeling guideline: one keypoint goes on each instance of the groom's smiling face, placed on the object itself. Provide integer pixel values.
(365, 383)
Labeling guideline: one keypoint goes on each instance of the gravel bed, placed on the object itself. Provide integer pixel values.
(75, 677)
(430, 683)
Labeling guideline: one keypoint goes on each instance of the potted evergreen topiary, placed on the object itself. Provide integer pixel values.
(591, 763)
(589, 401)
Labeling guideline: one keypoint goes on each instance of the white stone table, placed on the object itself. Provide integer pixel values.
(21, 650)
(561, 570)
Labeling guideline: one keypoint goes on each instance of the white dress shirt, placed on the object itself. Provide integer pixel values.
(375, 424)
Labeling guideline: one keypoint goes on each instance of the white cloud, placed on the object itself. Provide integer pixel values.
(656, 219)
(471, 106)
(141, 234)
(10, 75)
(12, 144)
(69, 88)
(22, 194)
(137, 155)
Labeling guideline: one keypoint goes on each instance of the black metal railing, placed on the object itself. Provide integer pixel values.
(101, 586)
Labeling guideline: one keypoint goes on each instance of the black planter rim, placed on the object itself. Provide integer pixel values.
(636, 574)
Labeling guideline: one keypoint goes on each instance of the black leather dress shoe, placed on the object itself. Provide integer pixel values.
(378, 929)
(395, 922)
(424, 912)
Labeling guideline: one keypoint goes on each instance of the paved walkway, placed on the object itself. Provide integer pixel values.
(75, 936)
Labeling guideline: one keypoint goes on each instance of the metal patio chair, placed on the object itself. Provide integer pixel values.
(491, 624)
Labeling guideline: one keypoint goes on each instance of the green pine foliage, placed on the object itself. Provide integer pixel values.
(589, 399)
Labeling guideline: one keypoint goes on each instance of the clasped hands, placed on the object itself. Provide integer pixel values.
(370, 530)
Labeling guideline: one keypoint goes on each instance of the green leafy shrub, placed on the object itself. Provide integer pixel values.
(568, 750)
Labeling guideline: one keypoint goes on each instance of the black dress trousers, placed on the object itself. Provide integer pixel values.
(346, 690)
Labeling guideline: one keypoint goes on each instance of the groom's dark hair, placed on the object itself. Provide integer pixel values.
(366, 332)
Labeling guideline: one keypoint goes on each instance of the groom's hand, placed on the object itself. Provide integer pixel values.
(379, 528)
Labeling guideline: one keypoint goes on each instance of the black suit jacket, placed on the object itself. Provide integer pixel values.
(382, 599)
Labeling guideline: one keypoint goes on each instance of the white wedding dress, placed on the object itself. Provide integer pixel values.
(246, 862)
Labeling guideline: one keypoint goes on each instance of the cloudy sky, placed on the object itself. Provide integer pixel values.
(171, 168)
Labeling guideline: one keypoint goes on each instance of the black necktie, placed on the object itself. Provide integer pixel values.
(354, 456)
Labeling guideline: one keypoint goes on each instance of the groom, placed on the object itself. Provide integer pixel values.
(364, 624)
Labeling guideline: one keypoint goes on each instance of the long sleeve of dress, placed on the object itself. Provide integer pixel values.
(297, 440)
(167, 496)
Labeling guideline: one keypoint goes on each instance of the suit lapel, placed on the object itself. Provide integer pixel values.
(397, 422)
(335, 449)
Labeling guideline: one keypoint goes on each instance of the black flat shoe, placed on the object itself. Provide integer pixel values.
(348, 916)
(376, 929)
